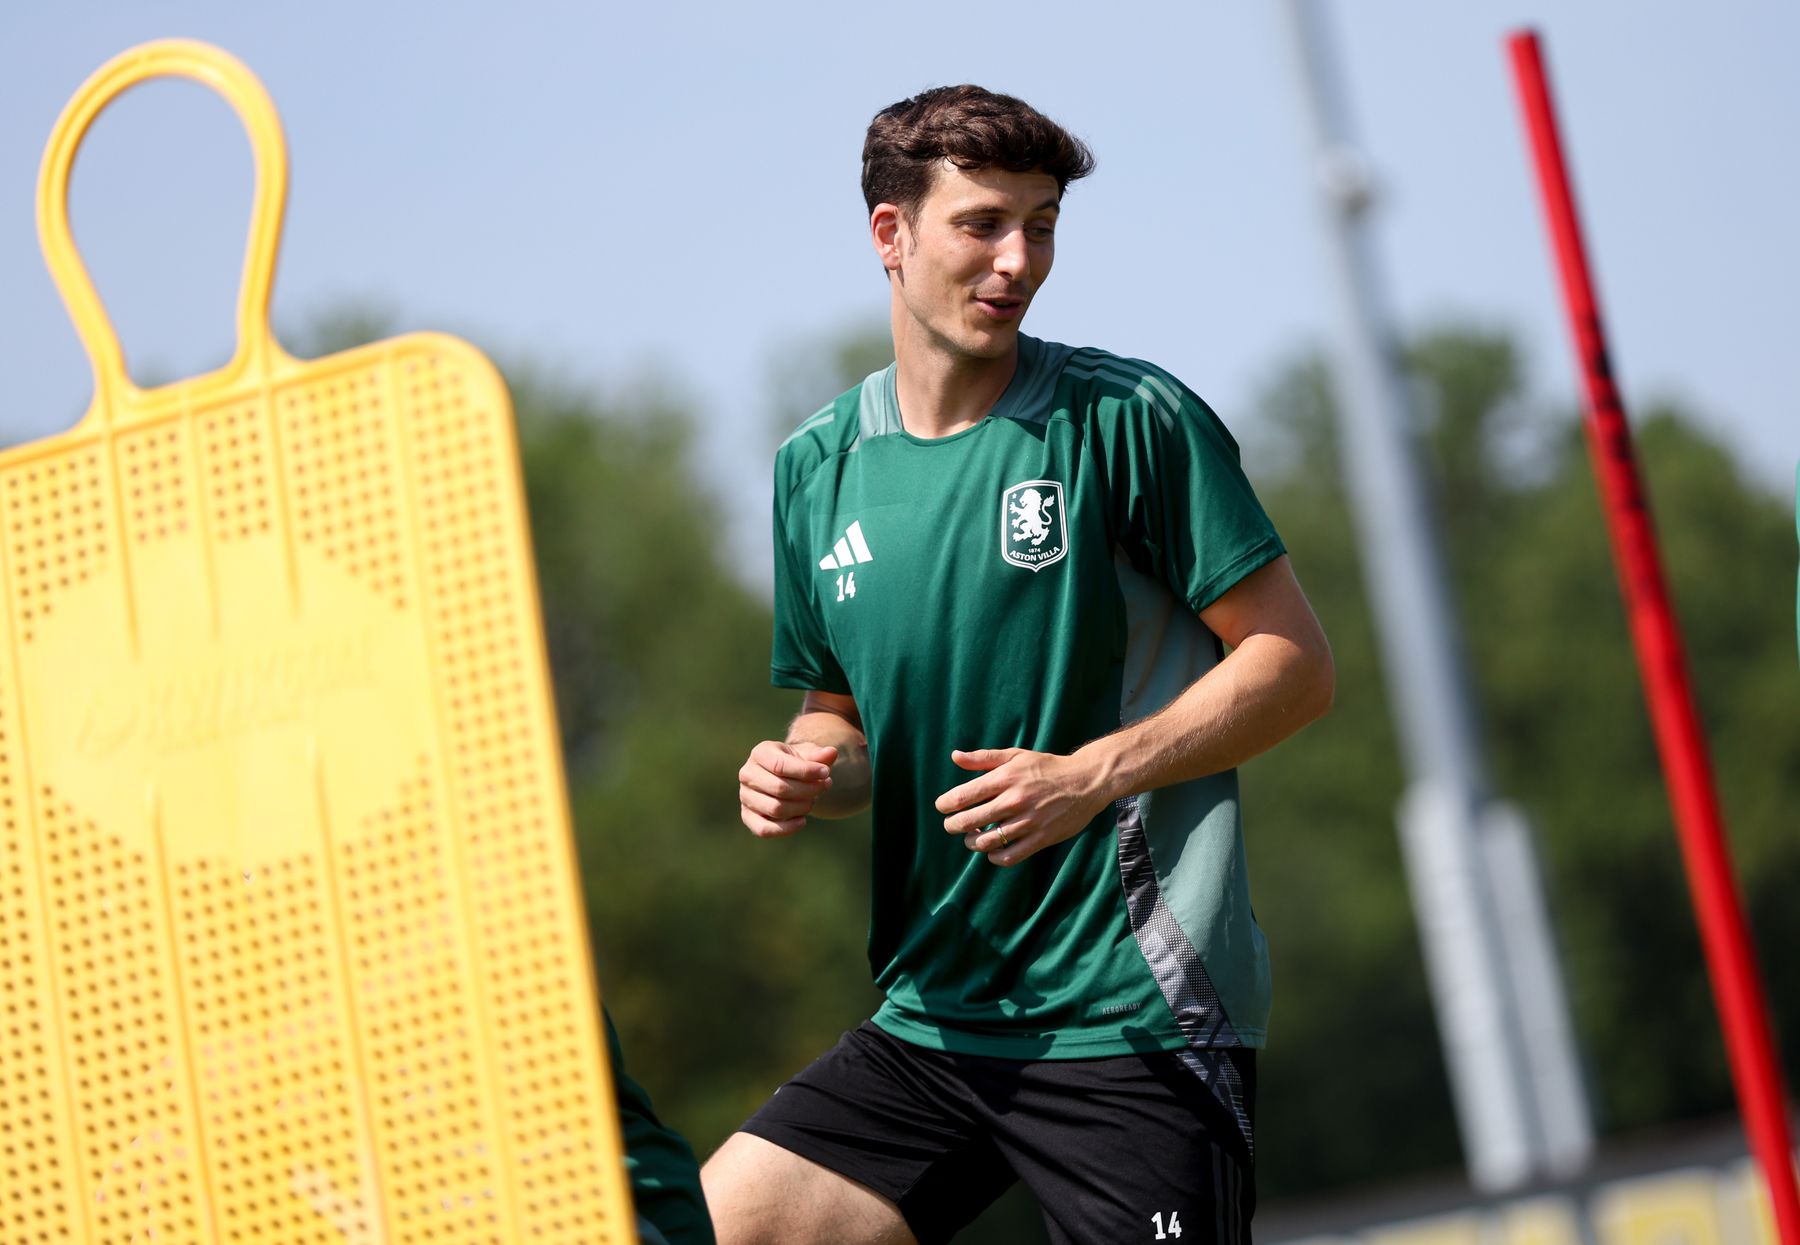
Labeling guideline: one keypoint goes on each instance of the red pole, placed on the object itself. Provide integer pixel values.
(1730, 959)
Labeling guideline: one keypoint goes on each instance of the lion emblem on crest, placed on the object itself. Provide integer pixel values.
(1031, 516)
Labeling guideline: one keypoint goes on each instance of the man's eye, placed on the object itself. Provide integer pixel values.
(1041, 233)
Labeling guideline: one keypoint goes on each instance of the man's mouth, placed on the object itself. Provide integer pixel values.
(1001, 306)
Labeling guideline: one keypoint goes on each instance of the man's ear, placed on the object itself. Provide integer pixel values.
(887, 229)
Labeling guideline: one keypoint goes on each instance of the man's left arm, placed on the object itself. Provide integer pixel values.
(1277, 678)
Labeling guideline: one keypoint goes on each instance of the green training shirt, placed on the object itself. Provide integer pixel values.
(1031, 581)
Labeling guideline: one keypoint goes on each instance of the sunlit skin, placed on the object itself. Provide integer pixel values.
(962, 270)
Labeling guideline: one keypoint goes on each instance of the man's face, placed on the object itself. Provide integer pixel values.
(972, 256)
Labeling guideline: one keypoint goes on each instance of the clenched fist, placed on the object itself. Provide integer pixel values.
(780, 783)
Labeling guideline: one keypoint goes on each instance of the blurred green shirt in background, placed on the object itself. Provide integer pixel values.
(665, 1178)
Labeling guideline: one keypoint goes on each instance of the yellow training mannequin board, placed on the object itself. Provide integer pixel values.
(291, 944)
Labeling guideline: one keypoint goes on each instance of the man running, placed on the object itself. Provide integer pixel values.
(1039, 617)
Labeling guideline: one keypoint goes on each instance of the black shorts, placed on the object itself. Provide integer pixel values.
(1117, 1151)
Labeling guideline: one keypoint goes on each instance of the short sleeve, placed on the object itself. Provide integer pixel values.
(1183, 510)
(801, 655)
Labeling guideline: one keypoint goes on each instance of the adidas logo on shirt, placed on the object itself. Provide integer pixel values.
(851, 550)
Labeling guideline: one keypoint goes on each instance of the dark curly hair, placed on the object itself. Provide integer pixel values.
(972, 128)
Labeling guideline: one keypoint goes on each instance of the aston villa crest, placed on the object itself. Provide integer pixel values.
(1033, 532)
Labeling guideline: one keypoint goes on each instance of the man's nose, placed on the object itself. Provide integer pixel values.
(1012, 259)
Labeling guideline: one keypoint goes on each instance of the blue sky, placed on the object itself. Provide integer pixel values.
(616, 190)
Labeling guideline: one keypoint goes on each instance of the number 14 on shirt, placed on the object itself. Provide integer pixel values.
(1174, 1225)
(846, 585)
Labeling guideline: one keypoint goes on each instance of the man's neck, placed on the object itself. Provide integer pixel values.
(941, 393)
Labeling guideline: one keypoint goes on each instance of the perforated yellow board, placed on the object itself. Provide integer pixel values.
(291, 946)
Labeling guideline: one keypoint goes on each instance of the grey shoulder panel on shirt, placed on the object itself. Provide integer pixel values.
(877, 411)
(1040, 365)
(831, 430)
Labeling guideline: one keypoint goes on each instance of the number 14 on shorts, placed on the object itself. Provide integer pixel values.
(1174, 1228)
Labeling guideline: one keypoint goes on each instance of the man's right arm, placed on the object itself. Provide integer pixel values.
(820, 770)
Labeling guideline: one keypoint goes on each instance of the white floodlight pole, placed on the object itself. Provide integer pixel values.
(1510, 1132)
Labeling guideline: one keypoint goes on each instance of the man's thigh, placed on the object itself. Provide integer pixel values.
(885, 1118)
(1129, 1150)
(761, 1194)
